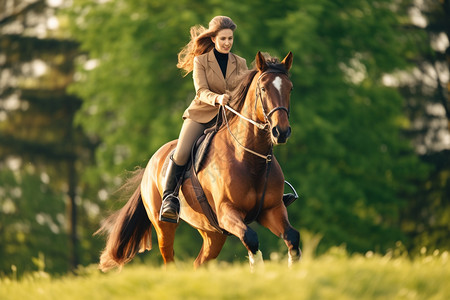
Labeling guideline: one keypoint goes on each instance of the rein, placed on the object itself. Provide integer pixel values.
(267, 157)
(259, 125)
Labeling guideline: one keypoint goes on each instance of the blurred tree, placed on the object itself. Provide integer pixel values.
(32, 223)
(426, 90)
(40, 148)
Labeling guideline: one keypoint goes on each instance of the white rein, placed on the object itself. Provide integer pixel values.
(267, 157)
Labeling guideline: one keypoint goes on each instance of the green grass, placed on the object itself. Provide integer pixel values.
(335, 275)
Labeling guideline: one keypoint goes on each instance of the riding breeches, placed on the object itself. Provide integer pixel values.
(190, 132)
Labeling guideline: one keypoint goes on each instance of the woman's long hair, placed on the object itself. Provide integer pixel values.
(201, 41)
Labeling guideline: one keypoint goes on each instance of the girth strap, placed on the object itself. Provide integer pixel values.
(252, 217)
(201, 197)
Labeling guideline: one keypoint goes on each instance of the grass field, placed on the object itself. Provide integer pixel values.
(335, 275)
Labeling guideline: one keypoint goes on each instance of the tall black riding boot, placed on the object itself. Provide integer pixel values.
(170, 208)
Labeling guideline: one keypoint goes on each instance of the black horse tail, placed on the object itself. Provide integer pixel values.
(128, 230)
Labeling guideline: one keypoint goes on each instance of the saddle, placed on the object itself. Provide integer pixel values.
(198, 153)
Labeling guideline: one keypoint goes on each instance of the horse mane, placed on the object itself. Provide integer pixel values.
(239, 94)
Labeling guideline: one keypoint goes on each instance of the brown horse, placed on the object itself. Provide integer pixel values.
(241, 179)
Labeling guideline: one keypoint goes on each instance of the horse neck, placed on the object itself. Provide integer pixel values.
(249, 135)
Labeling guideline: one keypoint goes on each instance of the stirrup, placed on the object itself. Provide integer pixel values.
(289, 198)
(171, 217)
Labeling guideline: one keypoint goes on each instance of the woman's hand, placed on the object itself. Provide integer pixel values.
(223, 99)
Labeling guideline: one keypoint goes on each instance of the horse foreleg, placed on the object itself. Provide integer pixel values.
(233, 221)
(212, 245)
(276, 220)
(292, 239)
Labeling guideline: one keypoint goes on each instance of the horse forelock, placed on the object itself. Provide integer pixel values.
(274, 64)
(277, 68)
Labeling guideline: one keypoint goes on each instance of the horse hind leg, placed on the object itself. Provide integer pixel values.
(166, 238)
(276, 220)
(212, 245)
(165, 231)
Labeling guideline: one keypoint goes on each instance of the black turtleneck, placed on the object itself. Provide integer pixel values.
(222, 59)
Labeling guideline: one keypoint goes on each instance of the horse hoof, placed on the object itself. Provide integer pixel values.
(294, 258)
(256, 260)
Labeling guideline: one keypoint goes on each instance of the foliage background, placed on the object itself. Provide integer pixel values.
(356, 155)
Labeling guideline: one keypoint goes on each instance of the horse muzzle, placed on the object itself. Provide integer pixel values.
(280, 134)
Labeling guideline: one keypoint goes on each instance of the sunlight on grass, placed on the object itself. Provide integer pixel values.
(335, 275)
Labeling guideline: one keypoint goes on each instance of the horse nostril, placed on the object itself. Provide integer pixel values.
(288, 134)
(275, 132)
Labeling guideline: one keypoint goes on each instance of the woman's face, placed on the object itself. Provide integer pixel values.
(223, 40)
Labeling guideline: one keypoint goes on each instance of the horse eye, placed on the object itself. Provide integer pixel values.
(263, 89)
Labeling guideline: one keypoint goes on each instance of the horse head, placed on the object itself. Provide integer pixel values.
(273, 89)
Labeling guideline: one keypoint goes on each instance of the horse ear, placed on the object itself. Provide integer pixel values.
(287, 61)
(260, 62)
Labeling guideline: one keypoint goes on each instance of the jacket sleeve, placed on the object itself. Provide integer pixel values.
(202, 90)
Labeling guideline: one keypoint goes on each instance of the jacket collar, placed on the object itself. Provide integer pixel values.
(231, 65)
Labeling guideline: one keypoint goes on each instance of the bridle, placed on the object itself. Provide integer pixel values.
(258, 95)
(263, 126)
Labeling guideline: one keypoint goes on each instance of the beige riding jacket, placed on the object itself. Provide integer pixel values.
(210, 84)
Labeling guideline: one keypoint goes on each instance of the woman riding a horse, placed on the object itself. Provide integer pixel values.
(215, 70)
(241, 179)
